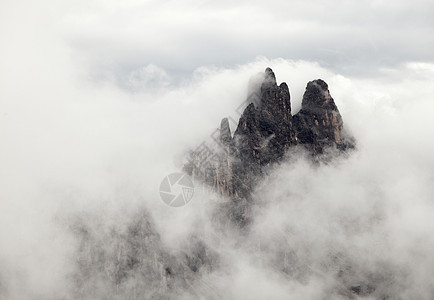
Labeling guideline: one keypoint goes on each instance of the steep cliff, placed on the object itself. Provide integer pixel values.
(266, 131)
(319, 124)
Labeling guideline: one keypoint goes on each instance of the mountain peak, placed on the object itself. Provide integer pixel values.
(265, 132)
(269, 74)
(317, 95)
(269, 81)
(225, 131)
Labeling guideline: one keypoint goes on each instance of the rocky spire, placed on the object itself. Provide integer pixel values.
(265, 131)
(319, 124)
(225, 132)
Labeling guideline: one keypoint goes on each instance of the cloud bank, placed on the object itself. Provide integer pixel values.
(89, 128)
(101, 153)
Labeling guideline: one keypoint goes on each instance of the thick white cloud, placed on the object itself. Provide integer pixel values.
(75, 139)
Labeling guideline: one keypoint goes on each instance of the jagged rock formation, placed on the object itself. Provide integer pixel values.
(319, 124)
(132, 262)
(266, 131)
(116, 261)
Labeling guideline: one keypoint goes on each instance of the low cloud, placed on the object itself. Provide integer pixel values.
(76, 148)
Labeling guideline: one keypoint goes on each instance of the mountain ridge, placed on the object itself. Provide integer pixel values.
(265, 132)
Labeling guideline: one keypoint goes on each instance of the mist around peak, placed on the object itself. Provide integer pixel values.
(81, 214)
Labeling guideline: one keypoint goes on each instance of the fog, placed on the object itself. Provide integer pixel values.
(85, 145)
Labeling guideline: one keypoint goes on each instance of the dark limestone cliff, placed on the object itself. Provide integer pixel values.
(265, 132)
(319, 124)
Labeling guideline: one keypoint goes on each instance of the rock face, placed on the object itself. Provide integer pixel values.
(319, 124)
(265, 132)
(130, 260)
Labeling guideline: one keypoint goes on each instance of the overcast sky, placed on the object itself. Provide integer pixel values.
(113, 39)
(179, 36)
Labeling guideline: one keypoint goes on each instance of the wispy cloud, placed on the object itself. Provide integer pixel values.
(75, 140)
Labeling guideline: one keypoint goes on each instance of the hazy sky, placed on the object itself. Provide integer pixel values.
(112, 40)
(352, 37)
